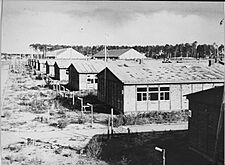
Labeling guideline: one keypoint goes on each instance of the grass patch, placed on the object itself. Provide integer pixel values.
(154, 117)
(134, 148)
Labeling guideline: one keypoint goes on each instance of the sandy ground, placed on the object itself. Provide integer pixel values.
(25, 139)
(4, 78)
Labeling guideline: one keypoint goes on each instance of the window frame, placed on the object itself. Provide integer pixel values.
(153, 92)
(143, 93)
(161, 93)
(164, 93)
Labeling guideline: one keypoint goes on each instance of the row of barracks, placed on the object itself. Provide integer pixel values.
(128, 86)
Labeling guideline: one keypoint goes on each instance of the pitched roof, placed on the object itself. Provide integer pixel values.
(42, 60)
(212, 91)
(169, 73)
(51, 61)
(66, 53)
(111, 53)
(63, 64)
(211, 96)
(94, 66)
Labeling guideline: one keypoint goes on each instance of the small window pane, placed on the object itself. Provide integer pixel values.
(89, 81)
(162, 96)
(141, 89)
(153, 89)
(96, 80)
(167, 96)
(144, 96)
(164, 88)
(153, 96)
(138, 96)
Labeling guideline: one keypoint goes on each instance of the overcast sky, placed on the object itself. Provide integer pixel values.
(112, 23)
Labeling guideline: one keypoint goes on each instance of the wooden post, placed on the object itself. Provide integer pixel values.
(64, 91)
(92, 114)
(164, 157)
(73, 97)
(112, 121)
(81, 106)
(59, 90)
(108, 125)
(67, 92)
(163, 154)
(81, 102)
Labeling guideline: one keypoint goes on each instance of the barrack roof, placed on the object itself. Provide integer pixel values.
(94, 66)
(168, 73)
(111, 53)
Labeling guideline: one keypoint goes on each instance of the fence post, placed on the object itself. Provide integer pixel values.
(164, 157)
(59, 90)
(111, 120)
(82, 107)
(92, 114)
(73, 97)
(81, 102)
(108, 126)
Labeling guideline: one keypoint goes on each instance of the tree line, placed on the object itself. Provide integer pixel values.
(155, 51)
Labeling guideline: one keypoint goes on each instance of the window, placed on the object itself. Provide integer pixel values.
(164, 93)
(141, 94)
(92, 79)
(67, 71)
(89, 81)
(153, 93)
(96, 80)
(153, 96)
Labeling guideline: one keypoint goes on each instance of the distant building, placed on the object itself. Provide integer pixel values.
(156, 86)
(66, 53)
(35, 65)
(41, 65)
(206, 107)
(60, 69)
(50, 67)
(119, 54)
(82, 74)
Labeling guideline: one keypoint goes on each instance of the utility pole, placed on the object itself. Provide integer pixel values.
(105, 73)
